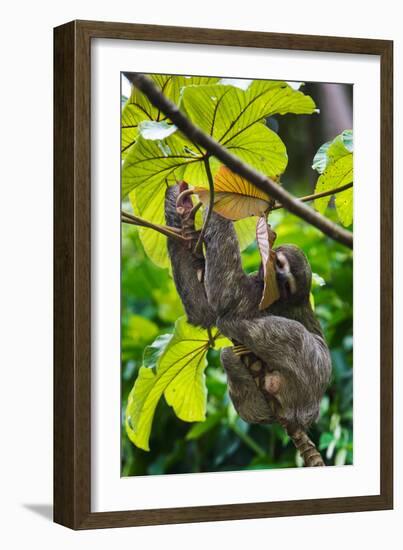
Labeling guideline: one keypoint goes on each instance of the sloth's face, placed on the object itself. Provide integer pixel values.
(285, 279)
(293, 273)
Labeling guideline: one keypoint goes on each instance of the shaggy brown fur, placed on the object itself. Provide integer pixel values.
(290, 358)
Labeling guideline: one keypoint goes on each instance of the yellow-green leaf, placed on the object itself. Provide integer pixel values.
(140, 409)
(245, 231)
(344, 206)
(138, 108)
(195, 173)
(334, 161)
(178, 374)
(262, 148)
(235, 197)
(154, 243)
(336, 175)
(331, 151)
(147, 171)
(150, 163)
(235, 110)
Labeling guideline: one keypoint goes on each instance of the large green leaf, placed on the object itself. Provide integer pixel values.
(233, 117)
(262, 149)
(258, 146)
(175, 371)
(153, 351)
(226, 111)
(344, 206)
(195, 173)
(154, 243)
(148, 168)
(336, 175)
(151, 162)
(246, 231)
(138, 108)
(334, 162)
(331, 151)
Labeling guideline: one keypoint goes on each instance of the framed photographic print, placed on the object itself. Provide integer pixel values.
(208, 288)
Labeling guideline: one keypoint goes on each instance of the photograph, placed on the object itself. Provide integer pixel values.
(236, 314)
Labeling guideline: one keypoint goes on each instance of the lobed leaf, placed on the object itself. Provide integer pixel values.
(149, 163)
(148, 169)
(334, 162)
(226, 111)
(246, 232)
(138, 108)
(262, 148)
(344, 206)
(175, 369)
(336, 175)
(154, 243)
(331, 151)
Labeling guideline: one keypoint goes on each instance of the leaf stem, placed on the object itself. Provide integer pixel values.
(211, 204)
(315, 196)
(195, 209)
(211, 338)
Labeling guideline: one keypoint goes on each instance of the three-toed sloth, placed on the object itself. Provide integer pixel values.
(280, 364)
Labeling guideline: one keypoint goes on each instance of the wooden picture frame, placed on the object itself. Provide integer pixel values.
(72, 274)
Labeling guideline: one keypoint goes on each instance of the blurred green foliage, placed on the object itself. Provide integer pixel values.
(150, 306)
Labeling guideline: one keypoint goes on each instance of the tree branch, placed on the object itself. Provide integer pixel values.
(164, 230)
(319, 195)
(264, 183)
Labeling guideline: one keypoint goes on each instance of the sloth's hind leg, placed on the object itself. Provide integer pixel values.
(243, 389)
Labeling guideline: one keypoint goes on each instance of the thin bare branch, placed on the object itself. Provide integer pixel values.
(170, 232)
(319, 195)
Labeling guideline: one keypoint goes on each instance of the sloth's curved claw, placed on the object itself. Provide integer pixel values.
(240, 350)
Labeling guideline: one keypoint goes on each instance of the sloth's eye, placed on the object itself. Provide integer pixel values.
(280, 262)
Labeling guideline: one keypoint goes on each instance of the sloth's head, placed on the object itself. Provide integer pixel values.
(294, 274)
